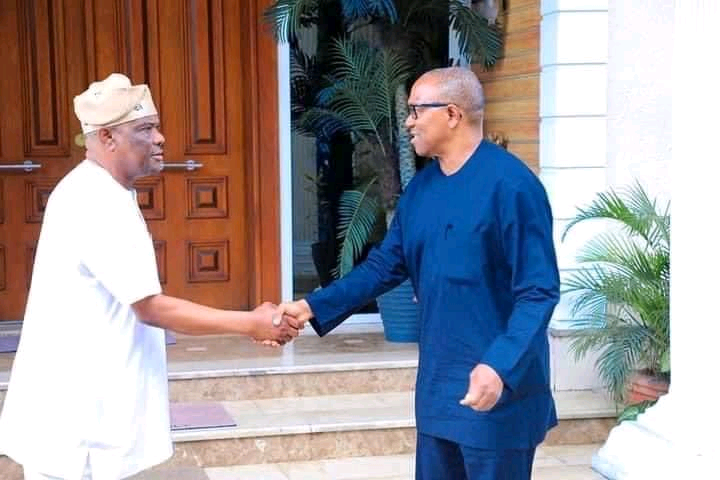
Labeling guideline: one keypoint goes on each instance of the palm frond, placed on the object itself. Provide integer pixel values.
(620, 350)
(304, 81)
(623, 254)
(363, 88)
(322, 123)
(425, 11)
(358, 213)
(287, 17)
(479, 41)
(620, 298)
(632, 210)
(356, 9)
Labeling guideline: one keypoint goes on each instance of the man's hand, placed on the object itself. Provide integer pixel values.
(485, 388)
(299, 310)
(271, 327)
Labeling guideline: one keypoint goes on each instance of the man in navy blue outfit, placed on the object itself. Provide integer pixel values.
(473, 231)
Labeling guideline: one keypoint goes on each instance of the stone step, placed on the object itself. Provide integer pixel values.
(345, 395)
(224, 368)
(551, 463)
(335, 426)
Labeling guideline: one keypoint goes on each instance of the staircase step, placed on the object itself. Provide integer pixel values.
(344, 395)
(333, 426)
(232, 368)
(551, 463)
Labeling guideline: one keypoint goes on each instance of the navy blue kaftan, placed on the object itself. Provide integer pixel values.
(478, 248)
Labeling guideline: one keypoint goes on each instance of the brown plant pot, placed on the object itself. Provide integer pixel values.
(643, 386)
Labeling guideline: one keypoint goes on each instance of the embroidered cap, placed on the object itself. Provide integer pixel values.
(111, 102)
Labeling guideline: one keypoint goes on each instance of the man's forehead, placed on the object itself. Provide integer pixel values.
(149, 120)
(424, 87)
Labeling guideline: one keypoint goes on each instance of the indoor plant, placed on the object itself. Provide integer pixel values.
(357, 40)
(621, 292)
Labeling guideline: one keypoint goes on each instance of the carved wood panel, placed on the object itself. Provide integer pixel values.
(204, 77)
(2, 202)
(208, 262)
(37, 193)
(44, 81)
(151, 197)
(161, 259)
(211, 67)
(207, 197)
(128, 42)
(29, 263)
(2, 268)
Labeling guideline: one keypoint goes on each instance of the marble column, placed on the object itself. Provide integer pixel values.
(678, 437)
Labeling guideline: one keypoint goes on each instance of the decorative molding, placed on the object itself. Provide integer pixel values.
(131, 45)
(208, 262)
(44, 88)
(137, 37)
(151, 197)
(29, 263)
(37, 193)
(261, 73)
(3, 283)
(207, 197)
(205, 87)
(161, 259)
(2, 202)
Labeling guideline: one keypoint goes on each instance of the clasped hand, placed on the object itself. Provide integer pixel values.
(278, 324)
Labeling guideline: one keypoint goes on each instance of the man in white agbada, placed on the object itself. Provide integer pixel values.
(88, 393)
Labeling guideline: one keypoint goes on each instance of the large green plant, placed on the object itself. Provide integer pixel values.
(352, 87)
(621, 294)
(405, 24)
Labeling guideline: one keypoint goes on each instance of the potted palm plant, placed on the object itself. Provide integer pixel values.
(621, 294)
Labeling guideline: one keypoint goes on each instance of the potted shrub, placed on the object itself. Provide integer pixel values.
(621, 294)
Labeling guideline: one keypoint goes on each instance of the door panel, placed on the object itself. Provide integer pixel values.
(209, 66)
(35, 126)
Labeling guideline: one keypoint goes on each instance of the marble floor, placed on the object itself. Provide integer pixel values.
(567, 462)
(308, 352)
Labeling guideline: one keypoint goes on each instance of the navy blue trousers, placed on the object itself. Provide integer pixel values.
(439, 459)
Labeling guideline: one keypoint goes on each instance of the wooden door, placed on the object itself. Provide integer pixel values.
(211, 70)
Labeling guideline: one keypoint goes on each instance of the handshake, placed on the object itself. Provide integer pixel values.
(275, 325)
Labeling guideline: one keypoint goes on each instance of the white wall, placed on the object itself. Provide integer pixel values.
(640, 94)
(573, 107)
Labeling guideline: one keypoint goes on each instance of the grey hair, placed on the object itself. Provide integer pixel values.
(458, 85)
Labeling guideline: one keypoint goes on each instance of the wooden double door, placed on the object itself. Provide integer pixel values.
(211, 68)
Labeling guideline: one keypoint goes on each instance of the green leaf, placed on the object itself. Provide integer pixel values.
(287, 17)
(631, 412)
(479, 41)
(665, 362)
(358, 213)
(357, 9)
(621, 294)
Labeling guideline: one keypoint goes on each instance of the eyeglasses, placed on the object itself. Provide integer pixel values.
(414, 106)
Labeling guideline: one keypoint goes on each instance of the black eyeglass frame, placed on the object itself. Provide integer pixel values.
(414, 106)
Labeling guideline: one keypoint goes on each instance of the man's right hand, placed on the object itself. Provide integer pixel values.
(266, 328)
(300, 310)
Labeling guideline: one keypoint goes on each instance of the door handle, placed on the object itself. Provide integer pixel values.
(26, 166)
(189, 165)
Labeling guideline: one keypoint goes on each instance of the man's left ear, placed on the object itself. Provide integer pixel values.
(454, 115)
